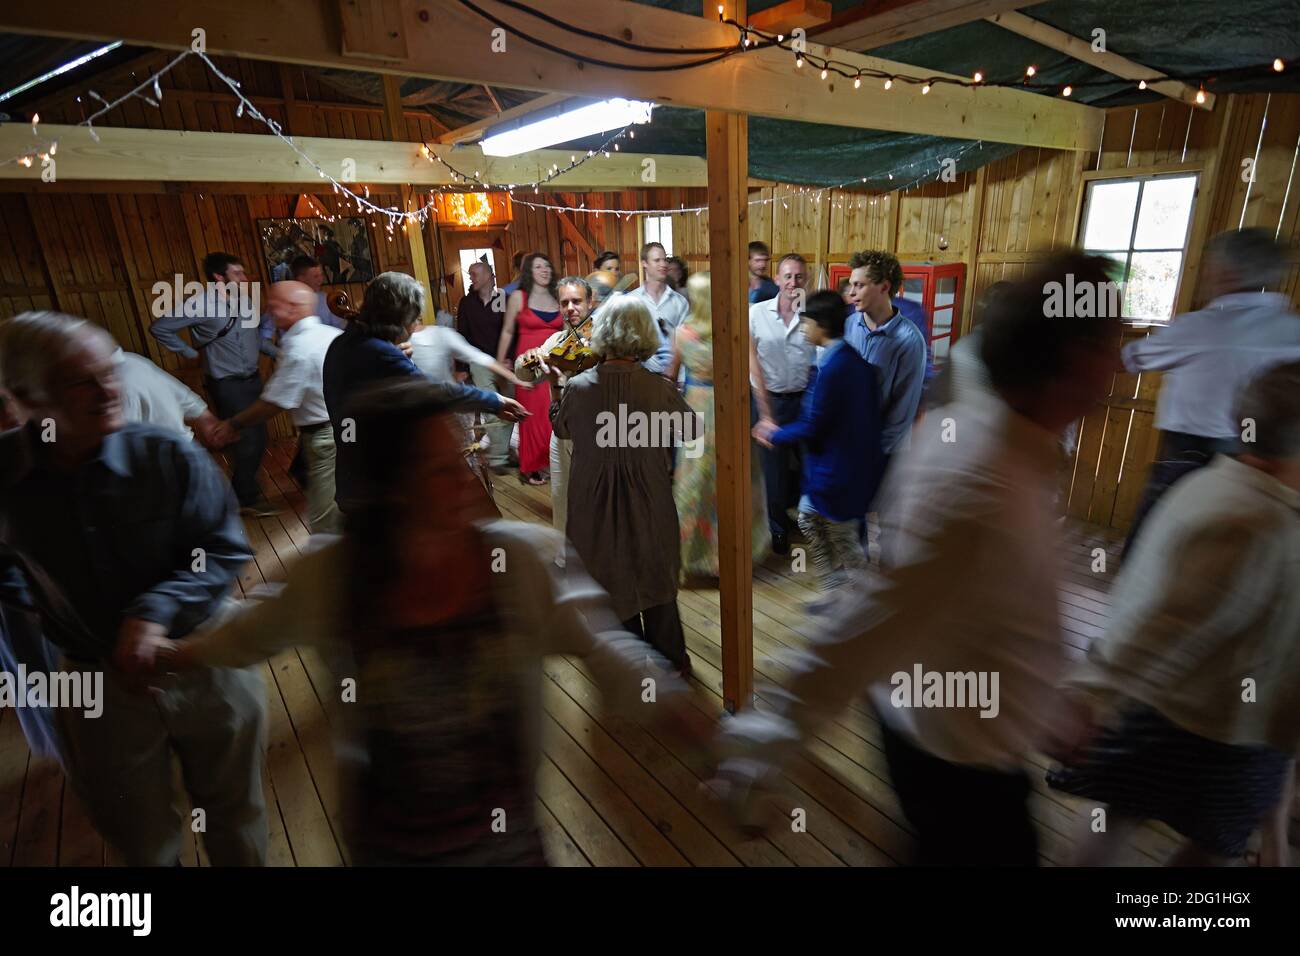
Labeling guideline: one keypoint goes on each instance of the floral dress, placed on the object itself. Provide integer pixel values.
(695, 480)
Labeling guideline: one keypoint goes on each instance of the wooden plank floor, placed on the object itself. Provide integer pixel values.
(609, 792)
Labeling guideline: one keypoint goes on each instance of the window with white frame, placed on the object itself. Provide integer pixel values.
(1143, 224)
(659, 229)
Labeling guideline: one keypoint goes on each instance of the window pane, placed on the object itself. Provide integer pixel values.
(666, 234)
(940, 347)
(1166, 207)
(945, 290)
(1152, 285)
(651, 228)
(1111, 207)
(914, 289)
(942, 322)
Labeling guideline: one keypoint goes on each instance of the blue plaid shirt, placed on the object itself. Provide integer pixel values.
(122, 535)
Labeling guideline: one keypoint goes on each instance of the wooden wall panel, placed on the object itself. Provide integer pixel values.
(99, 253)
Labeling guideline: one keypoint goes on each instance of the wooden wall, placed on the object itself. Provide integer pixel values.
(99, 255)
(98, 252)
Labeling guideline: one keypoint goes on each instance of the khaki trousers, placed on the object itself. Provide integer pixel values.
(323, 515)
(120, 764)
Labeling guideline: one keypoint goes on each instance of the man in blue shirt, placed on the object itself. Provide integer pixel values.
(761, 287)
(228, 343)
(129, 538)
(370, 352)
(839, 428)
(893, 344)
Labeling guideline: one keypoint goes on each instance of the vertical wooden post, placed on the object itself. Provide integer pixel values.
(394, 123)
(973, 238)
(727, 139)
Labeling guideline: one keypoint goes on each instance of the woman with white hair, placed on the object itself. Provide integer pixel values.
(623, 422)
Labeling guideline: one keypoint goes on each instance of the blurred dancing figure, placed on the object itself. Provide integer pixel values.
(297, 386)
(623, 421)
(368, 354)
(839, 430)
(964, 623)
(448, 679)
(130, 538)
(695, 479)
(1197, 681)
(228, 344)
(1207, 357)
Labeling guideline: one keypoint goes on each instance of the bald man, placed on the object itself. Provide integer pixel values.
(296, 387)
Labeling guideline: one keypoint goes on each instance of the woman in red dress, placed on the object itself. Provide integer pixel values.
(534, 310)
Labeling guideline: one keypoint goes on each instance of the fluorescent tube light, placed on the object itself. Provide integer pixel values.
(562, 124)
(62, 69)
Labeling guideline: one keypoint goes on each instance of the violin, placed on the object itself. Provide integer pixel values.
(571, 355)
(341, 305)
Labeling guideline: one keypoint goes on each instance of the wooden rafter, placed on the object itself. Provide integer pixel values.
(1071, 45)
(147, 155)
(445, 40)
(872, 25)
(473, 130)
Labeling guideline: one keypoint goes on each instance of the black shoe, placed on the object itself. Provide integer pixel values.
(780, 543)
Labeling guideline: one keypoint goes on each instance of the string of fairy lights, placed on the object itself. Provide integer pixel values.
(749, 39)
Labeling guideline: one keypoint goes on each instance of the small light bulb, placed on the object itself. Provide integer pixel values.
(925, 89)
(1278, 65)
(1031, 71)
(798, 61)
(888, 83)
(979, 77)
(823, 74)
(857, 82)
(1067, 91)
(1200, 96)
(1142, 85)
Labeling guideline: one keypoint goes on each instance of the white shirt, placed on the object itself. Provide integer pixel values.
(152, 396)
(783, 354)
(296, 383)
(668, 313)
(973, 588)
(1208, 356)
(1209, 597)
(436, 346)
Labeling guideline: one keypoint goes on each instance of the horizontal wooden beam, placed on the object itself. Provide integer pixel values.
(1071, 45)
(448, 41)
(148, 155)
(870, 26)
(784, 17)
(470, 131)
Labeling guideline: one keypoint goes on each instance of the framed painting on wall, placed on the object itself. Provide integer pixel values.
(341, 246)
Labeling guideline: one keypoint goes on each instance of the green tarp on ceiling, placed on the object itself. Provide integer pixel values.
(1172, 36)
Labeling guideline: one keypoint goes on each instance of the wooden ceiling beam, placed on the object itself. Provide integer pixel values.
(785, 17)
(1071, 45)
(872, 25)
(475, 130)
(444, 39)
(147, 155)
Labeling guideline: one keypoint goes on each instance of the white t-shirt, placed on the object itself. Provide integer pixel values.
(436, 347)
(296, 383)
(152, 396)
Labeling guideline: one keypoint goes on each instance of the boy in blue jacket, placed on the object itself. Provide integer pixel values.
(840, 429)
